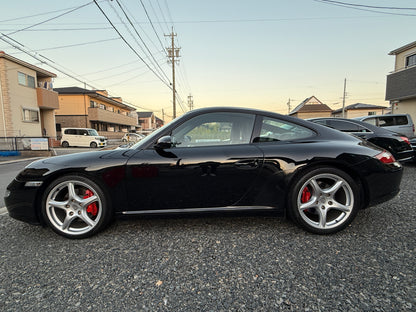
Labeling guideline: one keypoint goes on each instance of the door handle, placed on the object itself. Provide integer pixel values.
(248, 163)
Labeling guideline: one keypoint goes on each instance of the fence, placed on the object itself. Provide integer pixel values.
(24, 144)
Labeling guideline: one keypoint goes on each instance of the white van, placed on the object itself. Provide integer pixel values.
(82, 137)
(399, 123)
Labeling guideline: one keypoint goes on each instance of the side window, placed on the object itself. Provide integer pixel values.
(371, 121)
(280, 130)
(215, 129)
(401, 120)
(346, 126)
(70, 131)
(386, 121)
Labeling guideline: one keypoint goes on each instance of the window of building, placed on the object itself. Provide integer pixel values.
(102, 106)
(26, 80)
(411, 60)
(372, 113)
(30, 115)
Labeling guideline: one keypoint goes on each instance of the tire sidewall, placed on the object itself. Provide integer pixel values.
(294, 192)
(106, 214)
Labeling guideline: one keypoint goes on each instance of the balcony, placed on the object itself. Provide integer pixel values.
(401, 85)
(102, 115)
(47, 99)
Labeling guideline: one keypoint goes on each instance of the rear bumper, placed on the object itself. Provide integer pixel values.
(383, 186)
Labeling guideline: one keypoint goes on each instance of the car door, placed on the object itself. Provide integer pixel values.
(210, 164)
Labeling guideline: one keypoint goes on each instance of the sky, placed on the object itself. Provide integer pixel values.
(245, 53)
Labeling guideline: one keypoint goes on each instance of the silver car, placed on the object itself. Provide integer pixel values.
(399, 123)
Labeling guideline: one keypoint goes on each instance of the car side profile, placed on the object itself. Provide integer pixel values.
(83, 137)
(398, 145)
(218, 159)
(398, 123)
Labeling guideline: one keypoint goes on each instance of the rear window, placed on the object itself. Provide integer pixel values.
(280, 130)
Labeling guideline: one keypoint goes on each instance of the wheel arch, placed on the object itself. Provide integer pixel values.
(58, 174)
(354, 174)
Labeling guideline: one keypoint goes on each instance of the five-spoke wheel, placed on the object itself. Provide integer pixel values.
(324, 200)
(75, 207)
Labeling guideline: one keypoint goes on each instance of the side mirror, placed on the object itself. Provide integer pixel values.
(165, 142)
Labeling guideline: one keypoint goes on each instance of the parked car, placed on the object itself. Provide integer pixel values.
(396, 144)
(211, 160)
(84, 137)
(132, 137)
(399, 123)
(413, 144)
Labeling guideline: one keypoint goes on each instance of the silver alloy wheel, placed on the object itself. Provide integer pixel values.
(73, 207)
(325, 201)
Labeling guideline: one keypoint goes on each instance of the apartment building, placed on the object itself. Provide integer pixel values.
(401, 83)
(27, 101)
(79, 107)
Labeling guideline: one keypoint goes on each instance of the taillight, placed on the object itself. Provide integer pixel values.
(405, 139)
(385, 157)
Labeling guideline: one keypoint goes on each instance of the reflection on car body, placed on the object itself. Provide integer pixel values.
(211, 160)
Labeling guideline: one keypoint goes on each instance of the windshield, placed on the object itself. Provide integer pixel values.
(92, 132)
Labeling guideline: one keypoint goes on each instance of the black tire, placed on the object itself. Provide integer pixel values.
(93, 144)
(324, 200)
(65, 144)
(75, 207)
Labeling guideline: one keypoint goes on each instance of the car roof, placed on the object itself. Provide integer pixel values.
(375, 129)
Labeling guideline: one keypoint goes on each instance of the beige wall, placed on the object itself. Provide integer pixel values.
(362, 112)
(406, 107)
(401, 59)
(312, 115)
(21, 97)
(73, 104)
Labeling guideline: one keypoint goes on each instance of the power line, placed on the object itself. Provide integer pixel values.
(151, 23)
(362, 9)
(128, 44)
(77, 44)
(367, 6)
(144, 43)
(49, 19)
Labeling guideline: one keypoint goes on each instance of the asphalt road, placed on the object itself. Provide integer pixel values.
(232, 263)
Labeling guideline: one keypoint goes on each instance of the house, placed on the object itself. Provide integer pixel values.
(27, 100)
(360, 109)
(147, 121)
(401, 83)
(85, 108)
(311, 108)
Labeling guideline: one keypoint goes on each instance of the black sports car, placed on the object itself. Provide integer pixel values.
(397, 144)
(211, 160)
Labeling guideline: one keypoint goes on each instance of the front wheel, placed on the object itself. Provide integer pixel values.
(324, 200)
(75, 207)
(93, 144)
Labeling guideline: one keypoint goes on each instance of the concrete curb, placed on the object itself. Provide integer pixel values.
(19, 160)
(3, 211)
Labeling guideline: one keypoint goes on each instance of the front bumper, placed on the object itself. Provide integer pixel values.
(21, 202)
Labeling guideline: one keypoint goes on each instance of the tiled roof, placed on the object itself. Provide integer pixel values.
(309, 105)
(145, 114)
(359, 106)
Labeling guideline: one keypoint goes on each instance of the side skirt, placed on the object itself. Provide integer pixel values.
(199, 210)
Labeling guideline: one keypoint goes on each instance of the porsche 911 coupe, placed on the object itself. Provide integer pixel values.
(211, 160)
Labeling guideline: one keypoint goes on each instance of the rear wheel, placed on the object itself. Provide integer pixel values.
(324, 200)
(65, 144)
(75, 207)
(93, 144)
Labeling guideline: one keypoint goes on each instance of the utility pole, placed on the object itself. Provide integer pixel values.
(343, 98)
(172, 54)
(190, 102)
(288, 106)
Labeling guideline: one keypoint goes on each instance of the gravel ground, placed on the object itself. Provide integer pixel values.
(232, 263)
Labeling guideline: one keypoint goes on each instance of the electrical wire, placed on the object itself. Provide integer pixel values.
(144, 43)
(49, 19)
(129, 45)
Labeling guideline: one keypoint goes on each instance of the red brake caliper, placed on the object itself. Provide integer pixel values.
(306, 195)
(92, 208)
